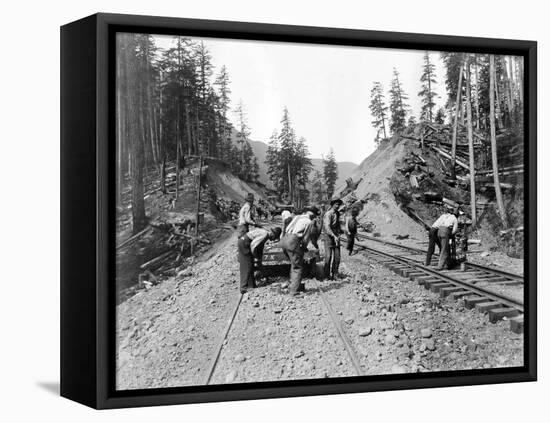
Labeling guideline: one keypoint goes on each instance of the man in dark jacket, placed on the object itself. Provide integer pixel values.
(250, 246)
(351, 229)
(332, 232)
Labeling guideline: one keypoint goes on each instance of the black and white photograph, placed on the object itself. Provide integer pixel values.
(289, 211)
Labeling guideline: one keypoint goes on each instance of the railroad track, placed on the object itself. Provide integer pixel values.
(466, 285)
(347, 344)
(473, 271)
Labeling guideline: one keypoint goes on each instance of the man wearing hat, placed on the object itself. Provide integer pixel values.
(251, 246)
(298, 234)
(440, 232)
(332, 230)
(246, 216)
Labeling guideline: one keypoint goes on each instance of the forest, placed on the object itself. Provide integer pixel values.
(484, 97)
(170, 108)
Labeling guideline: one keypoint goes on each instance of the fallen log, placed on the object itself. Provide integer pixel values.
(133, 238)
(448, 156)
(504, 185)
(156, 260)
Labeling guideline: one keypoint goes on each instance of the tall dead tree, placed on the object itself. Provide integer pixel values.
(519, 67)
(498, 192)
(470, 145)
(455, 123)
(509, 91)
(476, 96)
(497, 98)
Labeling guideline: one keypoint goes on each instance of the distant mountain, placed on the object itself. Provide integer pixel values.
(345, 169)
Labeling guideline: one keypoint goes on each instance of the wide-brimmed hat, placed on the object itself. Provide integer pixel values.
(249, 197)
(337, 200)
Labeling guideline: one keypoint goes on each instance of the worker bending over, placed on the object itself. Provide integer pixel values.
(332, 231)
(299, 232)
(440, 232)
(286, 217)
(251, 246)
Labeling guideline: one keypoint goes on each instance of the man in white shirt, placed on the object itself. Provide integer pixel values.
(440, 232)
(286, 217)
(299, 233)
(246, 218)
(250, 246)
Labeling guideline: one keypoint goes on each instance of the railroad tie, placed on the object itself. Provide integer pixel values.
(497, 314)
(487, 306)
(470, 302)
(516, 324)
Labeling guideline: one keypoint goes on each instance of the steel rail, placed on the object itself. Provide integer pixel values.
(219, 348)
(345, 340)
(469, 264)
(503, 299)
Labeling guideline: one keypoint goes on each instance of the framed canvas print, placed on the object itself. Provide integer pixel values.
(255, 211)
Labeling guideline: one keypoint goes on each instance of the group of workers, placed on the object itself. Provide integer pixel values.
(299, 231)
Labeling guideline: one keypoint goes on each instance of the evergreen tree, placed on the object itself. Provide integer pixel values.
(330, 173)
(398, 107)
(275, 169)
(317, 187)
(287, 144)
(203, 62)
(452, 62)
(302, 169)
(222, 83)
(427, 94)
(243, 132)
(440, 116)
(378, 110)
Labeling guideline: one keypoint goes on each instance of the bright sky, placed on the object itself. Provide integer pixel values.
(326, 88)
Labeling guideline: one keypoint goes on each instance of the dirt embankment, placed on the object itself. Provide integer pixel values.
(169, 243)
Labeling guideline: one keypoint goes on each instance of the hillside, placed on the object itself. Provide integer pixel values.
(345, 169)
(401, 187)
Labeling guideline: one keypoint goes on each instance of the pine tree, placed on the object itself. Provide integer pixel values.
(287, 144)
(427, 94)
(303, 167)
(203, 60)
(440, 116)
(222, 83)
(243, 132)
(330, 173)
(133, 131)
(398, 107)
(378, 110)
(317, 188)
(275, 168)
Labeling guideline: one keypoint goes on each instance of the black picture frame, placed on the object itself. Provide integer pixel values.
(87, 187)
